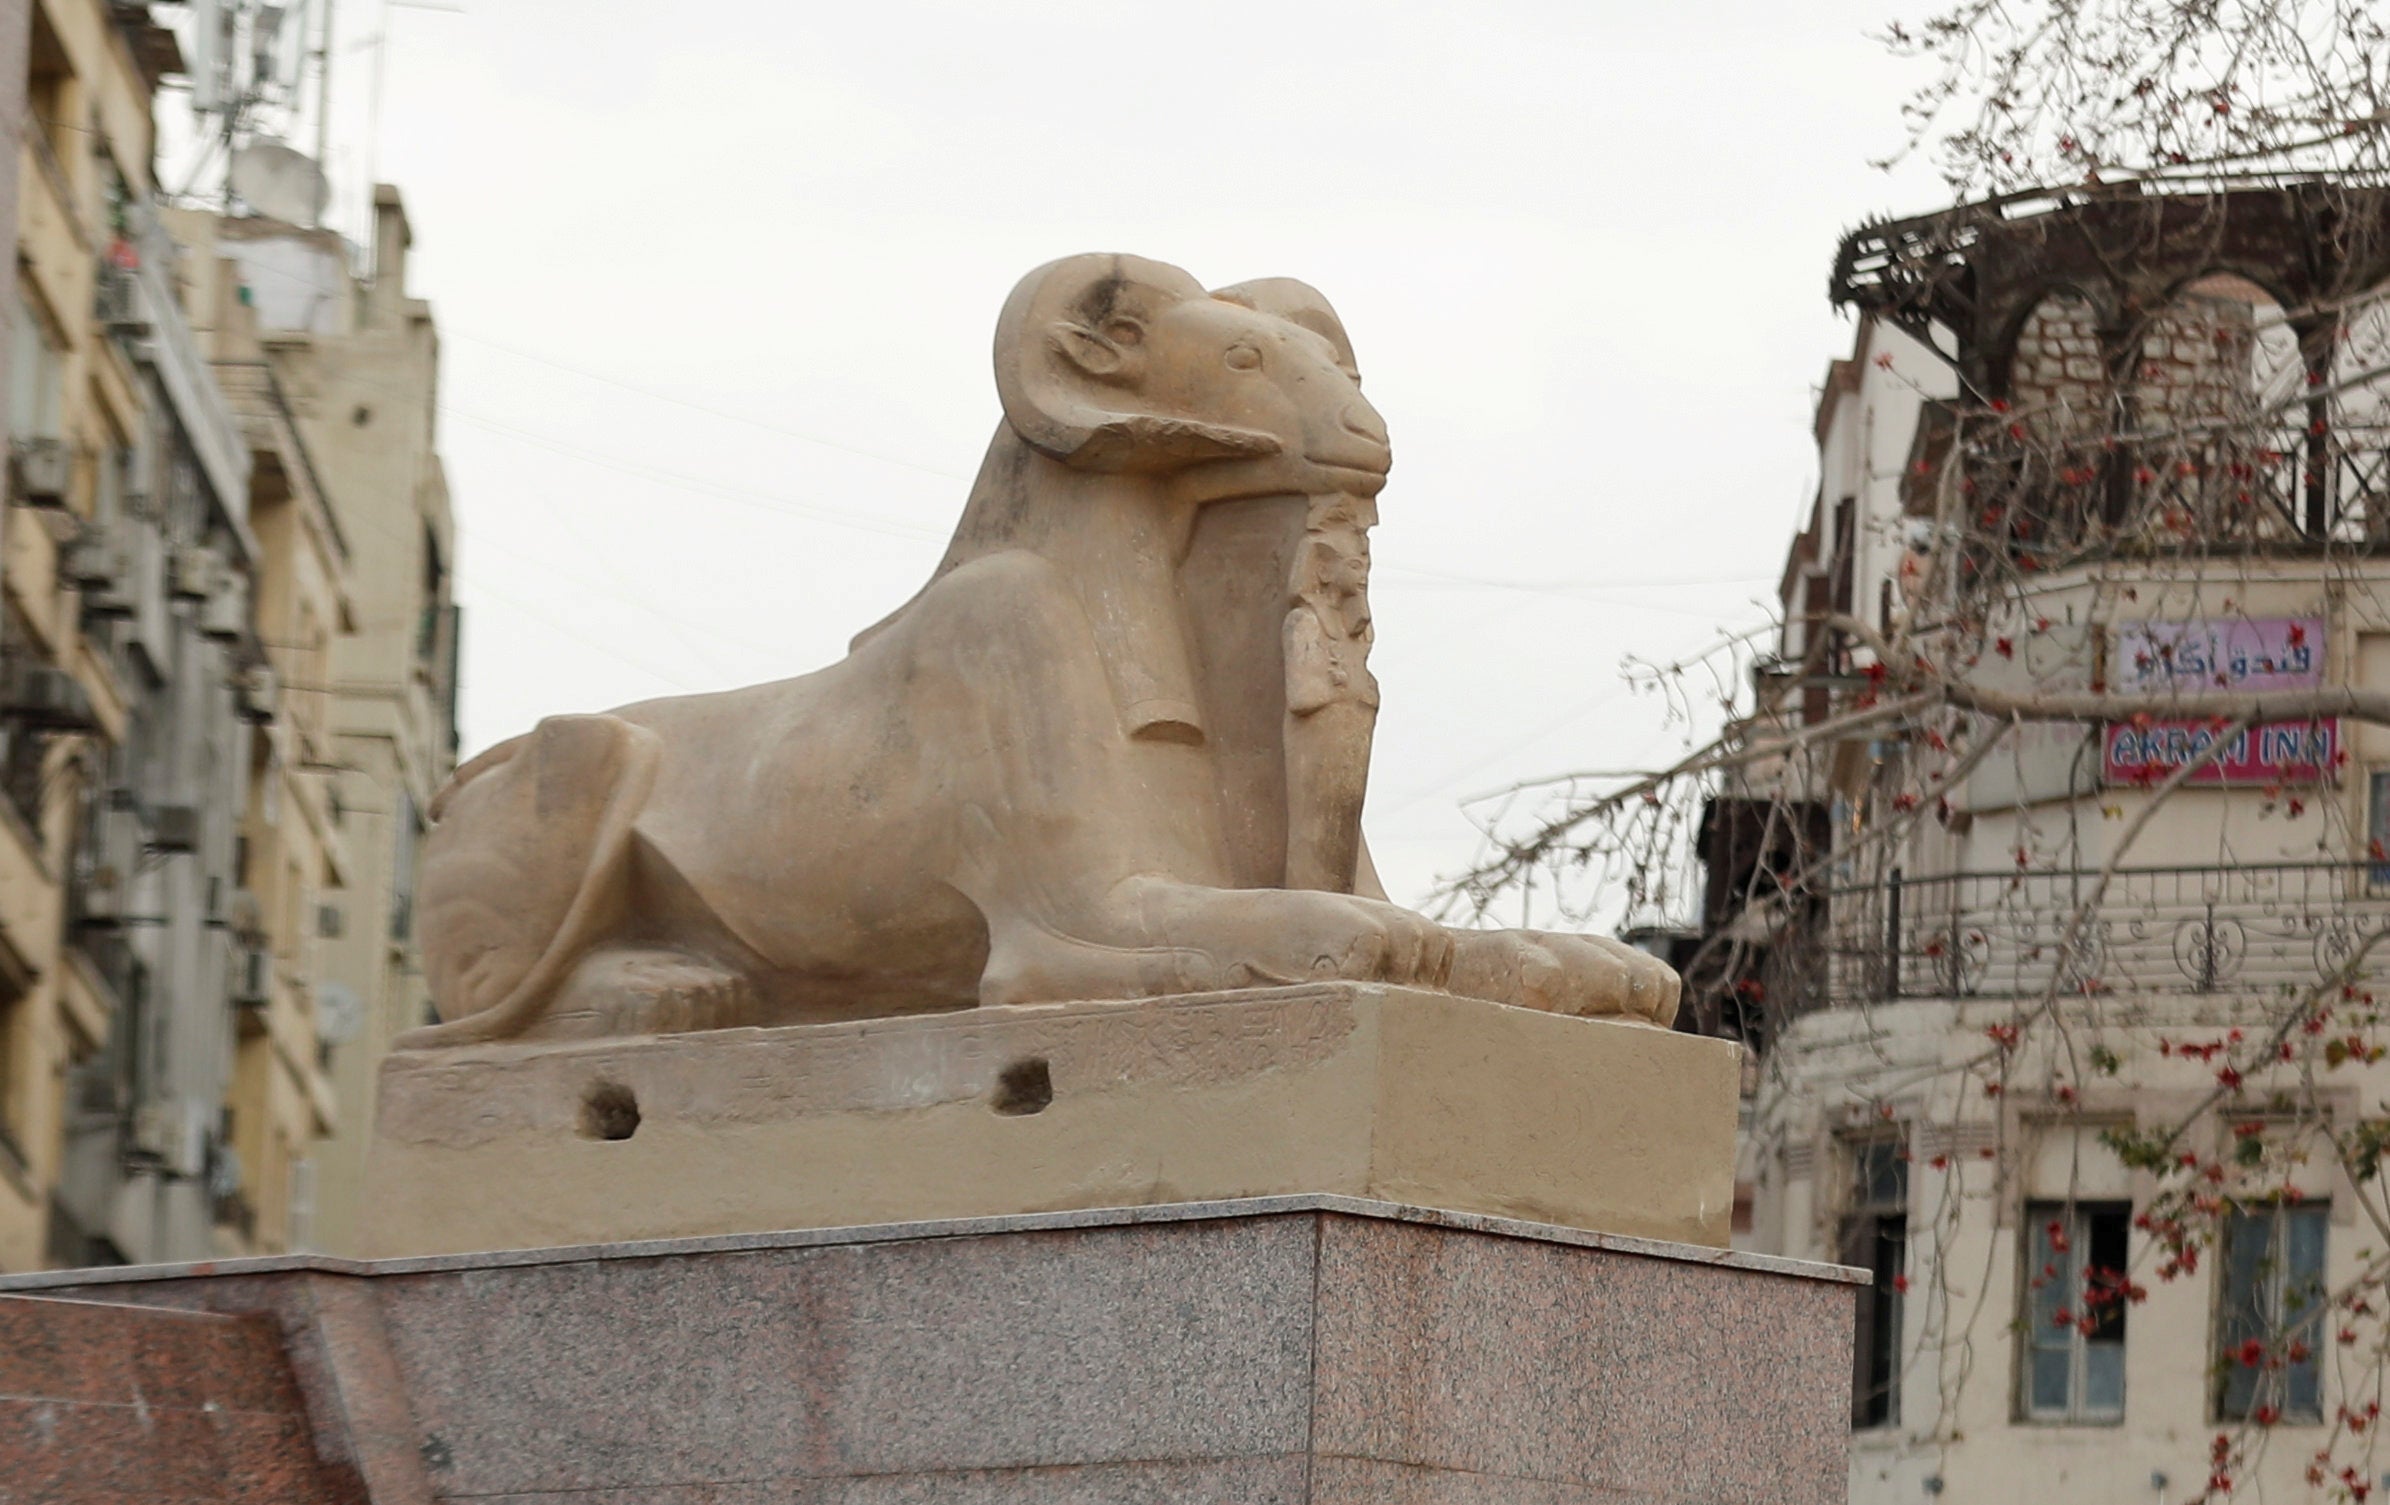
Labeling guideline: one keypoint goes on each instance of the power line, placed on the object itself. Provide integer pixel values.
(725, 491)
(1551, 587)
(698, 407)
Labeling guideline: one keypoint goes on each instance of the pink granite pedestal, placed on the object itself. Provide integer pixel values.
(1284, 1351)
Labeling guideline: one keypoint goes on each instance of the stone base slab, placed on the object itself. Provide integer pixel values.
(1301, 1351)
(1373, 1092)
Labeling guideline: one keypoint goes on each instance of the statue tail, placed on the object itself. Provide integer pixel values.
(527, 865)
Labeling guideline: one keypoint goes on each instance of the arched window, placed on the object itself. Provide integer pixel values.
(2218, 427)
(2356, 462)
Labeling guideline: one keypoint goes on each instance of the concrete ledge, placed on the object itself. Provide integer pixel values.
(1378, 1093)
(54, 1281)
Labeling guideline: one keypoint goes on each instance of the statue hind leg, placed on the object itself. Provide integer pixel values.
(526, 869)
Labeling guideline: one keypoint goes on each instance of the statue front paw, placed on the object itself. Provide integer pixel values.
(1583, 975)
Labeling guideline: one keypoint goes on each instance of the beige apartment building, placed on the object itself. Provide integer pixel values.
(1893, 1124)
(78, 406)
(227, 680)
(291, 861)
(358, 359)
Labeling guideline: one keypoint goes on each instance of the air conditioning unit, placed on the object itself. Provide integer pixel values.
(105, 883)
(43, 697)
(170, 1134)
(39, 471)
(195, 572)
(243, 914)
(119, 303)
(224, 615)
(101, 566)
(261, 694)
(153, 1132)
(224, 1177)
(330, 922)
(252, 977)
(100, 899)
(174, 828)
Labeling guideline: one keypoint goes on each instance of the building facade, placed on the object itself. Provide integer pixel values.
(123, 725)
(220, 714)
(2020, 995)
(358, 358)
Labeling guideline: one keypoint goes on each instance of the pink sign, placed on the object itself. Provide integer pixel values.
(2228, 653)
(2271, 752)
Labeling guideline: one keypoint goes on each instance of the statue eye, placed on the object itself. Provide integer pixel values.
(1243, 358)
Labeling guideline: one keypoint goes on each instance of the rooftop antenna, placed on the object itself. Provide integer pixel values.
(380, 43)
(323, 87)
(247, 56)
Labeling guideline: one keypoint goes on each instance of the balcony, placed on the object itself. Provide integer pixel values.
(2232, 493)
(2155, 931)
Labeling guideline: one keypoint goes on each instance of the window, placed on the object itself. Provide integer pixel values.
(2269, 1316)
(1875, 1236)
(2073, 1365)
(37, 377)
(2377, 829)
(405, 831)
(13, 1060)
(24, 765)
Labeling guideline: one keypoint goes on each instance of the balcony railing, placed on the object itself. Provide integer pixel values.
(2332, 487)
(2283, 490)
(2175, 930)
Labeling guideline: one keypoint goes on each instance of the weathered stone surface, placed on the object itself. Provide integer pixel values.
(1366, 1091)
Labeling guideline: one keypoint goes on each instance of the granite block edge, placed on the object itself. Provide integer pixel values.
(1307, 1203)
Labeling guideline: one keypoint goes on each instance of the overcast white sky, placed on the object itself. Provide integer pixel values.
(717, 280)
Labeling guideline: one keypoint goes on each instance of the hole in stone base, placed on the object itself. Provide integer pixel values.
(609, 1111)
(1024, 1087)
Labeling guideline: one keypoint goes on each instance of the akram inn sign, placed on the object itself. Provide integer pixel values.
(2270, 752)
(2207, 655)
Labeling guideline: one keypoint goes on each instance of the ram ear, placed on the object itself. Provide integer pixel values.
(1299, 304)
(1072, 368)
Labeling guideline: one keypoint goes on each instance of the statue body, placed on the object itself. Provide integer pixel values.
(1115, 748)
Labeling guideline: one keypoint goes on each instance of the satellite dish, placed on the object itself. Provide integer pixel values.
(279, 182)
(339, 1013)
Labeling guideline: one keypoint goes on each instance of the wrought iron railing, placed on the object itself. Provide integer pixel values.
(2177, 930)
(2289, 489)
(2233, 490)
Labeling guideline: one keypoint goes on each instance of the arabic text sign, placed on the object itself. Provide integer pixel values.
(2271, 752)
(2230, 653)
